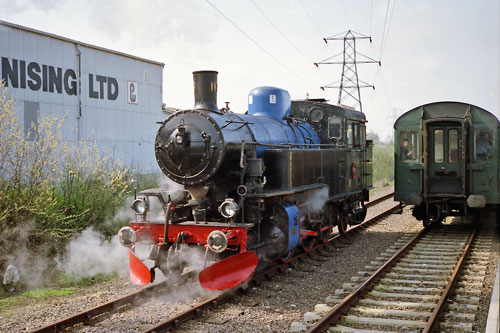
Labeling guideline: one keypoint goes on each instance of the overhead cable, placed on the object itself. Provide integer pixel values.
(258, 45)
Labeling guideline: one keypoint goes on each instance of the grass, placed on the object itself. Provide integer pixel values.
(64, 285)
(27, 296)
(44, 293)
(64, 280)
(7, 301)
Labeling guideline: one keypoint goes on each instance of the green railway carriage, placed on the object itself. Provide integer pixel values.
(447, 160)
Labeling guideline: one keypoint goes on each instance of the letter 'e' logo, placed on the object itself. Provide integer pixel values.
(132, 92)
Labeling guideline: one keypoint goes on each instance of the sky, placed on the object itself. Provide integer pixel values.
(430, 50)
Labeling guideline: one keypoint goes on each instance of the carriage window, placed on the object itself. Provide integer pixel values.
(334, 128)
(438, 146)
(483, 145)
(409, 148)
(453, 146)
(350, 134)
(356, 134)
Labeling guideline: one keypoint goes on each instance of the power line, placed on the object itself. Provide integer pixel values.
(387, 26)
(310, 19)
(312, 22)
(317, 30)
(385, 33)
(285, 37)
(383, 30)
(280, 32)
(388, 29)
(258, 45)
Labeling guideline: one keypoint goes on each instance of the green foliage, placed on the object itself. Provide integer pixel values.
(383, 164)
(147, 180)
(49, 189)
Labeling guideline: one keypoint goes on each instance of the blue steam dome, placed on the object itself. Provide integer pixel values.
(270, 102)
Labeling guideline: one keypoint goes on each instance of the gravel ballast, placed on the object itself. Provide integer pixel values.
(271, 306)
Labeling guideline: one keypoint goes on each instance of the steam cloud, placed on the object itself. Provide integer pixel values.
(316, 199)
(90, 254)
(170, 185)
(194, 259)
(31, 268)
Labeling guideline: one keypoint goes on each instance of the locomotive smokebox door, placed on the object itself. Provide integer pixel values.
(189, 147)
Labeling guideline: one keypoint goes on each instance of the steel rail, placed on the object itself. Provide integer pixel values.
(86, 315)
(334, 240)
(345, 304)
(433, 319)
(264, 274)
(379, 199)
(189, 314)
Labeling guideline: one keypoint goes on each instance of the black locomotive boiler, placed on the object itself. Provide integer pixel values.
(257, 185)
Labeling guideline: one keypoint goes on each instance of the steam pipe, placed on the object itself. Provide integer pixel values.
(167, 217)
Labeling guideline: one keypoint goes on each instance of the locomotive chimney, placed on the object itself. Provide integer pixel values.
(205, 90)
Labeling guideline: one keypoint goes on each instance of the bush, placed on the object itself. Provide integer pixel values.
(383, 164)
(48, 188)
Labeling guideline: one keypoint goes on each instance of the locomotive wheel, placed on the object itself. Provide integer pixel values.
(286, 259)
(325, 234)
(308, 244)
(342, 224)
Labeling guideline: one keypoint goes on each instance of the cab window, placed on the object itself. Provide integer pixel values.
(409, 147)
(438, 146)
(334, 128)
(350, 134)
(356, 139)
(483, 145)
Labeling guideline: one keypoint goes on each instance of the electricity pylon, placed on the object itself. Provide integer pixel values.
(350, 84)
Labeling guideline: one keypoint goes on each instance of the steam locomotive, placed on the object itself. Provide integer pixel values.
(257, 186)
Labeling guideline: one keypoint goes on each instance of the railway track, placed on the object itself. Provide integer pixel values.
(379, 199)
(266, 274)
(114, 305)
(436, 274)
(141, 296)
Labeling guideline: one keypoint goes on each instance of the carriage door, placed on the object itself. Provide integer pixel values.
(445, 159)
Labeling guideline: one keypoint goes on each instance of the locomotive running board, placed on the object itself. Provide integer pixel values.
(229, 272)
(139, 273)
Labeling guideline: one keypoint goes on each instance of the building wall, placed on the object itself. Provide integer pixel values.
(48, 74)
